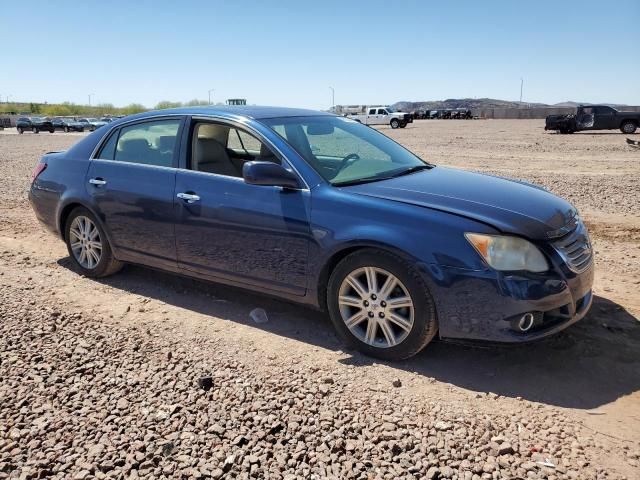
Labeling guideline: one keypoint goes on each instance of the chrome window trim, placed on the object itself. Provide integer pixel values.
(124, 162)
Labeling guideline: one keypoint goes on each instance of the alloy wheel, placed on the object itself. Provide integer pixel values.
(86, 245)
(376, 307)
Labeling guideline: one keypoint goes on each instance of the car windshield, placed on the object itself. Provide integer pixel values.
(345, 152)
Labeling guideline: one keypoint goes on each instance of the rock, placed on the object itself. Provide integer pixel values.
(205, 383)
(396, 383)
(122, 404)
(443, 426)
(433, 473)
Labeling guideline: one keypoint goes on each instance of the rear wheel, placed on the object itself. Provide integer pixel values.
(35, 130)
(379, 303)
(628, 127)
(20, 130)
(66, 129)
(88, 246)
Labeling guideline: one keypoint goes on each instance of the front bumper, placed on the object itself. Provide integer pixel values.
(487, 305)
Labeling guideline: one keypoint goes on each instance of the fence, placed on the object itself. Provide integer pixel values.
(528, 113)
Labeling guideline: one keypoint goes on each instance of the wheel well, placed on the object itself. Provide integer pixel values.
(629, 120)
(66, 211)
(326, 271)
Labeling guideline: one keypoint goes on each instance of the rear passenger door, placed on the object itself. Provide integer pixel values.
(131, 182)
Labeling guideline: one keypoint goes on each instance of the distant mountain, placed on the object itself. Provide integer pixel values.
(477, 103)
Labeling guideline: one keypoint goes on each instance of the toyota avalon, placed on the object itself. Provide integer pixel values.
(321, 210)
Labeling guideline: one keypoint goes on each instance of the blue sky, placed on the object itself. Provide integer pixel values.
(289, 52)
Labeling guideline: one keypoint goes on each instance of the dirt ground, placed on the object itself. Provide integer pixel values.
(85, 364)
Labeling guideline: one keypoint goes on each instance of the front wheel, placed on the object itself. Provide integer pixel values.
(66, 129)
(403, 124)
(35, 130)
(20, 130)
(628, 127)
(395, 123)
(88, 246)
(380, 304)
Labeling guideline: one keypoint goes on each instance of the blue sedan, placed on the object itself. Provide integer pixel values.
(321, 210)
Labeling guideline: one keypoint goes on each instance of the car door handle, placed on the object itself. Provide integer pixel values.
(189, 197)
(97, 181)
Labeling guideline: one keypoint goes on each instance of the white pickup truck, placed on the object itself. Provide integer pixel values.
(382, 116)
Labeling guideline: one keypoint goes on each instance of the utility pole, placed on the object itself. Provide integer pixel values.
(90, 98)
(212, 90)
(521, 84)
(333, 99)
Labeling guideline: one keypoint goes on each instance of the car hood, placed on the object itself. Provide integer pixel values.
(508, 205)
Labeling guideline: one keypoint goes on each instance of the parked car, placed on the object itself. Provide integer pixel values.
(91, 124)
(594, 117)
(35, 124)
(67, 124)
(382, 116)
(321, 210)
(108, 119)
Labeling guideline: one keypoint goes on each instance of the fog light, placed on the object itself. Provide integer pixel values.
(526, 322)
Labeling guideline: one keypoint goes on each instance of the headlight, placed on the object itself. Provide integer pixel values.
(508, 253)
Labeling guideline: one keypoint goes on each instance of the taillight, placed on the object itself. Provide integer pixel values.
(37, 171)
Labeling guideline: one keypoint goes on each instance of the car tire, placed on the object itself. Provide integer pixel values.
(373, 321)
(88, 246)
(66, 129)
(35, 130)
(394, 123)
(403, 124)
(628, 127)
(20, 130)
(52, 130)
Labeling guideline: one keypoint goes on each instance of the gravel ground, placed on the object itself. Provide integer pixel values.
(104, 379)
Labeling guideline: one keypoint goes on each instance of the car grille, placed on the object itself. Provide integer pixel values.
(575, 248)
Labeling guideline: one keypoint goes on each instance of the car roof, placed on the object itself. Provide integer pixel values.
(253, 112)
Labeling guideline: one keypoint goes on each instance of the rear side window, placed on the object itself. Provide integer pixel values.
(108, 150)
(372, 111)
(148, 143)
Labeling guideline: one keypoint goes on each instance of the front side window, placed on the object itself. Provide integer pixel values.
(382, 111)
(344, 151)
(223, 150)
(148, 143)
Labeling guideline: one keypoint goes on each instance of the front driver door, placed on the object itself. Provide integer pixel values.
(229, 230)
(131, 182)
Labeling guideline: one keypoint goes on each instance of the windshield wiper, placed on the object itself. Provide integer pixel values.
(409, 170)
(357, 181)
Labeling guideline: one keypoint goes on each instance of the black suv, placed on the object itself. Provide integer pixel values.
(67, 124)
(35, 124)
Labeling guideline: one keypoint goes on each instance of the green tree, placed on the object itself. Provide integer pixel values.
(167, 104)
(133, 108)
(195, 102)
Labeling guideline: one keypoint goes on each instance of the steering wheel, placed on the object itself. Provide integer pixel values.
(345, 161)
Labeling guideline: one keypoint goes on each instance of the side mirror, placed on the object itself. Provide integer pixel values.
(269, 174)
